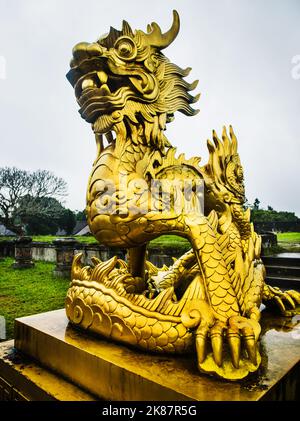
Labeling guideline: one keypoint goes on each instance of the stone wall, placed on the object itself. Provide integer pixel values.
(163, 256)
(158, 256)
(43, 251)
(269, 239)
(7, 248)
(46, 252)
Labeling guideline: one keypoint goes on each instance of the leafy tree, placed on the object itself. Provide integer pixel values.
(42, 216)
(256, 204)
(40, 225)
(67, 221)
(246, 204)
(26, 195)
(262, 215)
(271, 215)
(80, 215)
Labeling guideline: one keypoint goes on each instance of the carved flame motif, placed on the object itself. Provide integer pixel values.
(210, 298)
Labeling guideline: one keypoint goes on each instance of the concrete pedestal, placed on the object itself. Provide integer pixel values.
(87, 367)
(23, 253)
(65, 248)
(23, 379)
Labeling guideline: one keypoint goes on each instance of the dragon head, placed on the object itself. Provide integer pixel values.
(224, 173)
(224, 181)
(124, 83)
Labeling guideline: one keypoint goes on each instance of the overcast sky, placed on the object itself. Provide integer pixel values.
(240, 50)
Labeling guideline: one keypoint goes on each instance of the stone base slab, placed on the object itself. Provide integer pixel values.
(115, 372)
(22, 379)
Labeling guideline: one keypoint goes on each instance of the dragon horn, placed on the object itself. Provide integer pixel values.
(126, 29)
(157, 39)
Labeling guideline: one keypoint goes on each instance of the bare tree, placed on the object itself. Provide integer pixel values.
(21, 190)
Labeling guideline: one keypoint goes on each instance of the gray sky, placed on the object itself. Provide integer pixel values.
(240, 50)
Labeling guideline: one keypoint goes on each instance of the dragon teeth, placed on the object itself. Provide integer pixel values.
(102, 77)
(104, 90)
(88, 84)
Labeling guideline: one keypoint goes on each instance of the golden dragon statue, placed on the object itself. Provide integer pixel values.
(209, 300)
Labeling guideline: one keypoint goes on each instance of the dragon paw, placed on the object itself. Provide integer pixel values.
(233, 351)
(286, 301)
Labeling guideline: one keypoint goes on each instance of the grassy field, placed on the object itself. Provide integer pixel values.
(289, 237)
(163, 241)
(29, 291)
(171, 241)
(289, 241)
(50, 238)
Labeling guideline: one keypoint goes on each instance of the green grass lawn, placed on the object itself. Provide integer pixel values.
(163, 241)
(50, 238)
(289, 241)
(29, 291)
(171, 241)
(288, 237)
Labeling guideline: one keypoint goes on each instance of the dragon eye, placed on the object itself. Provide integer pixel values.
(125, 48)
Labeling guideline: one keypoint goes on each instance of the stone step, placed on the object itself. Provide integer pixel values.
(292, 271)
(284, 282)
(281, 261)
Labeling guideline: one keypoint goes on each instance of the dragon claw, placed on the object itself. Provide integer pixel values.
(280, 304)
(240, 334)
(234, 342)
(250, 344)
(286, 301)
(289, 300)
(249, 330)
(294, 295)
(201, 338)
(216, 336)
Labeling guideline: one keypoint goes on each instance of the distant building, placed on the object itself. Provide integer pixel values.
(6, 232)
(85, 231)
(81, 228)
(61, 232)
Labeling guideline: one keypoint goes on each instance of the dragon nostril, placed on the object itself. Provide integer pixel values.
(94, 49)
(80, 50)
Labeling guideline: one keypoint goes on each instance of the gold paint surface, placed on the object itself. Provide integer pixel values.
(117, 372)
(139, 189)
